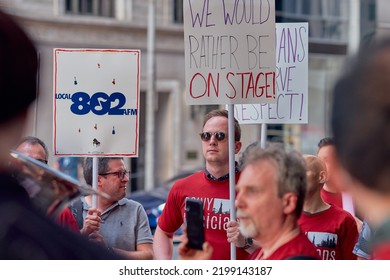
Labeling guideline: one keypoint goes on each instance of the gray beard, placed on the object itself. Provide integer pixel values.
(249, 231)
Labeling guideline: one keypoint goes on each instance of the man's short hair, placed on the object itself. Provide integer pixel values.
(290, 168)
(102, 167)
(18, 69)
(34, 141)
(327, 141)
(245, 154)
(361, 117)
(225, 114)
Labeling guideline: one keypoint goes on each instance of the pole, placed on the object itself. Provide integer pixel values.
(149, 145)
(354, 27)
(94, 180)
(263, 136)
(232, 174)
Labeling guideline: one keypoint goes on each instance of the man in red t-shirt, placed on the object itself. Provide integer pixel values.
(270, 195)
(334, 190)
(211, 186)
(330, 192)
(330, 228)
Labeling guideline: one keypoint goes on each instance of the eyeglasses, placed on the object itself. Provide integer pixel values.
(121, 174)
(206, 136)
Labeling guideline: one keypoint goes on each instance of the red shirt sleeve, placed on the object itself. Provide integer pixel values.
(66, 219)
(171, 217)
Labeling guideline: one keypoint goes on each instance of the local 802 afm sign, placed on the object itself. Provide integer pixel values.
(96, 102)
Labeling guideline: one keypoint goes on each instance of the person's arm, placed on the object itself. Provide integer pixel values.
(143, 252)
(362, 248)
(162, 244)
(359, 224)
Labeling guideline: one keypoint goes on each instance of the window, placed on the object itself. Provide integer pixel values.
(371, 12)
(328, 19)
(178, 11)
(275, 133)
(103, 8)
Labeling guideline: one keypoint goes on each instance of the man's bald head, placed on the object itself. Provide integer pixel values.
(315, 174)
(314, 164)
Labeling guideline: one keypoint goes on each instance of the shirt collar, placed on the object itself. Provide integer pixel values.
(222, 178)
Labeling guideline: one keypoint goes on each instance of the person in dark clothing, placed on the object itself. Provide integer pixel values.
(361, 128)
(25, 232)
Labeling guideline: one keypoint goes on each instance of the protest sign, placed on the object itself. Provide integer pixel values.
(291, 81)
(96, 102)
(230, 51)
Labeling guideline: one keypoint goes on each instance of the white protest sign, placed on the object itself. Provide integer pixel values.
(96, 102)
(291, 81)
(230, 51)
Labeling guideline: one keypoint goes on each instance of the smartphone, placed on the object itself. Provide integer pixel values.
(194, 218)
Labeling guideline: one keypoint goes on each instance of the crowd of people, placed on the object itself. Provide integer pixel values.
(334, 205)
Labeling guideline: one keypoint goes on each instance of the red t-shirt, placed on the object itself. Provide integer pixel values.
(216, 211)
(332, 198)
(67, 220)
(333, 231)
(298, 247)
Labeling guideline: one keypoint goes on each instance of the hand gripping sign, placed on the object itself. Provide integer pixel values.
(96, 102)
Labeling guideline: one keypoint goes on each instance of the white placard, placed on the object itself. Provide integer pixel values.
(291, 80)
(96, 102)
(229, 51)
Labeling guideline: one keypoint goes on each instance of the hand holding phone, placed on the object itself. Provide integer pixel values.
(194, 219)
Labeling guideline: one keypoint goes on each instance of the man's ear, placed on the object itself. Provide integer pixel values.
(289, 202)
(100, 178)
(237, 147)
(322, 177)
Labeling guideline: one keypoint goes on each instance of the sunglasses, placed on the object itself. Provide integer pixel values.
(121, 174)
(206, 136)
